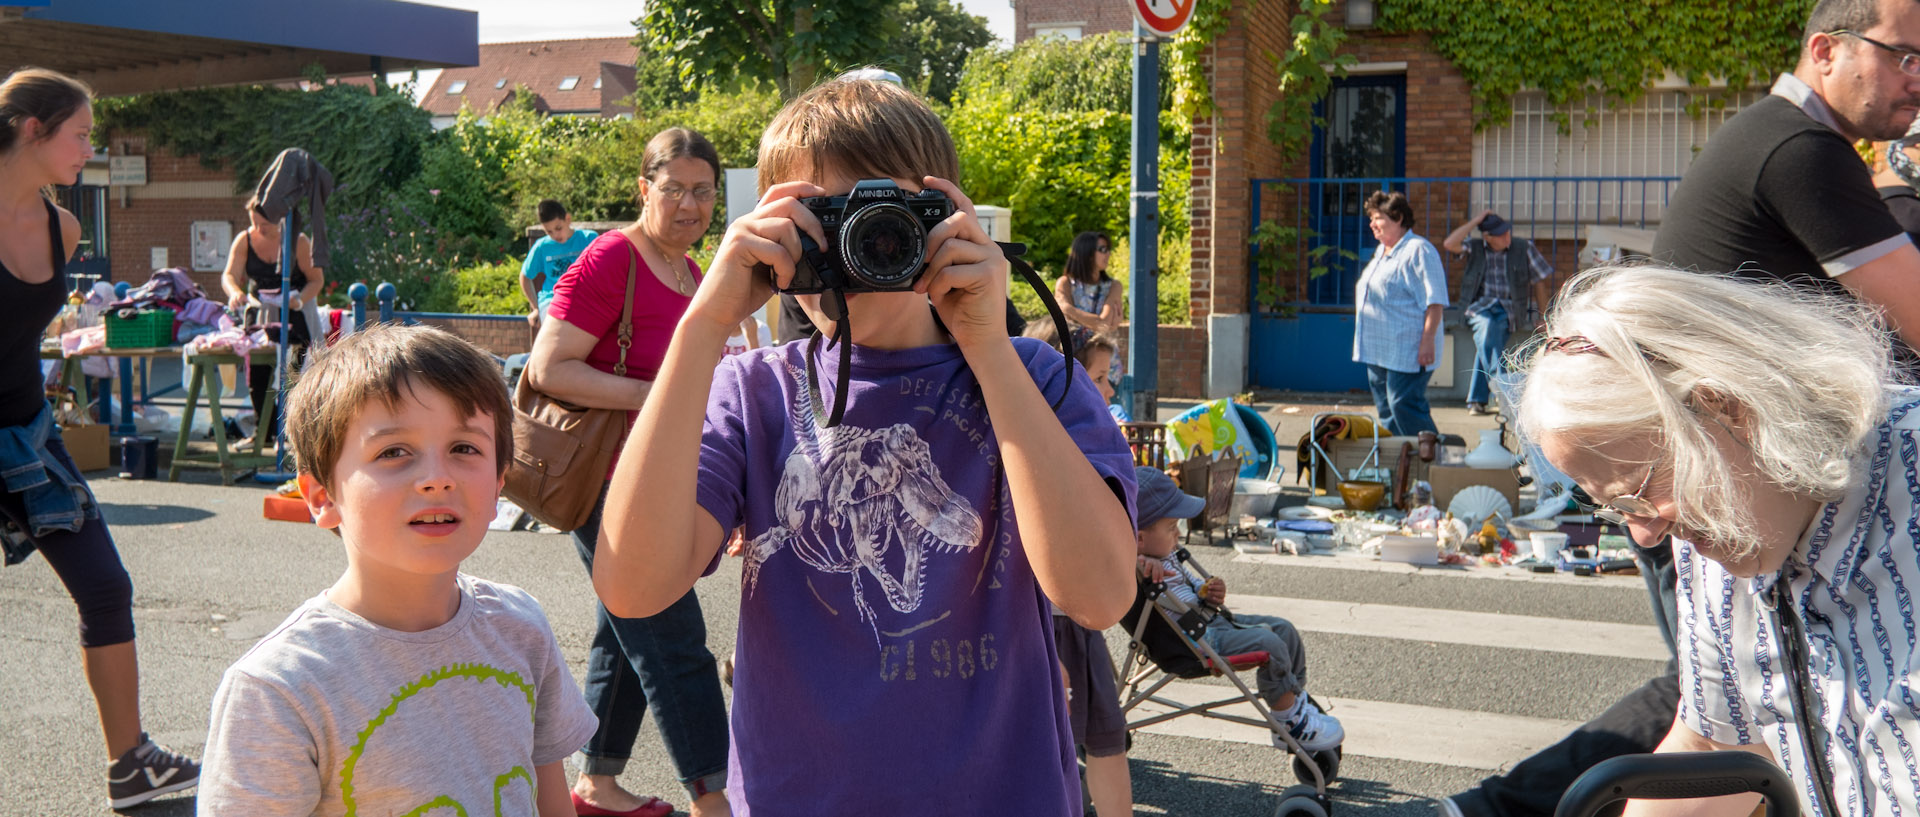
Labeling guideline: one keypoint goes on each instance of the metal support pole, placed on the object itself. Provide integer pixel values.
(386, 293)
(358, 295)
(1143, 341)
(282, 356)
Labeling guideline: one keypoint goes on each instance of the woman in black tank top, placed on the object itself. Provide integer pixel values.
(46, 120)
(247, 264)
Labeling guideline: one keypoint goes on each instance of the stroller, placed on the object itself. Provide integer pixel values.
(1680, 776)
(1167, 643)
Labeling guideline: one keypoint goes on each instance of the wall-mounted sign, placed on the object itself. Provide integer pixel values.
(123, 171)
(212, 240)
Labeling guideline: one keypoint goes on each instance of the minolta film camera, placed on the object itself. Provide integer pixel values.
(876, 239)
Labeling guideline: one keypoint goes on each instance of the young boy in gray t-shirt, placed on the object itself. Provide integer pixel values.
(407, 686)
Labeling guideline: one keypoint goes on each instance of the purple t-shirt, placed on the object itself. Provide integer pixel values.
(895, 653)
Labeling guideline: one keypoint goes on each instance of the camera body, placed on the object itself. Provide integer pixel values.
(876, 239)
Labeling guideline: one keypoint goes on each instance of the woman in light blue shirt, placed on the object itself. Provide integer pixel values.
(1396, 331)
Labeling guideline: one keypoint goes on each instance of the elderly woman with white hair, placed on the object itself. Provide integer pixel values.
(1757, 425)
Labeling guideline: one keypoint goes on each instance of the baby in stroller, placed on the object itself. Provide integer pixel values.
(1282, 680)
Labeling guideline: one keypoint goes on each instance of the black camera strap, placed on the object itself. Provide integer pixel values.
(834, 303)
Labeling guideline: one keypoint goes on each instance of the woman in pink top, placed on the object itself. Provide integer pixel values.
(662, 660)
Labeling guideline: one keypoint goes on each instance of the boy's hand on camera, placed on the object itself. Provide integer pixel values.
(769, 235)
(966, 276)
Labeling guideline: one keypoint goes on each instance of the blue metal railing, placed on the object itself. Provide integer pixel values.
(1554, 212)
(384, 296)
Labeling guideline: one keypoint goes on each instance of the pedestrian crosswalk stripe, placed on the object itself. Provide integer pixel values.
(1377, 729)
(1598, 638)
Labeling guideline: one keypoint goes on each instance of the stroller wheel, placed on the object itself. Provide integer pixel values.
(1303, 801)
(1327, 759)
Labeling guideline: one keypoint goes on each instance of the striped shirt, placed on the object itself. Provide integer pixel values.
(1851, 578)
(1390, 309)
(1181, 583)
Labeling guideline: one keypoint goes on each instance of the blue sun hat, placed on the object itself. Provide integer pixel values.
(1160, 499)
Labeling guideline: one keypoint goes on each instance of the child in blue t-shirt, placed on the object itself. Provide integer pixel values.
(895, 654)
(550, 257)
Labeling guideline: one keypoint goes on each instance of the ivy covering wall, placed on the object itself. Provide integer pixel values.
(1570, 49)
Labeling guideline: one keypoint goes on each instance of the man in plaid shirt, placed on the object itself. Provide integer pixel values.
(1501, 273)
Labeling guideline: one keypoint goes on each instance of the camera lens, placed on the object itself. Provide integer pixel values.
(883, 245)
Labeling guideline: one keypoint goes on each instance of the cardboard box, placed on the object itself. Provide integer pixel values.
(87, 445)
(1448, 480)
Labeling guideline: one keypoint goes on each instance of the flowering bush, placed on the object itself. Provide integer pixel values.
(389, 242)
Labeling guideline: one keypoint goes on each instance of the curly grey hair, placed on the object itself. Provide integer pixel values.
(1635, 349)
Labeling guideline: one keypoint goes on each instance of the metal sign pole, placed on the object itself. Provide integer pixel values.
(1143, 339)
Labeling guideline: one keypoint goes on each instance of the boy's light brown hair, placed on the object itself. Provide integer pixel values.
(386, 362)
(865, 128)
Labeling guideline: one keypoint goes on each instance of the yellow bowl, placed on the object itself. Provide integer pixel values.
(1362, 495)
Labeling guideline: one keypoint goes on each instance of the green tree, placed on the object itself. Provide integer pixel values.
(1053, 74)
(935, 39)
(791, 43)
(656, 85)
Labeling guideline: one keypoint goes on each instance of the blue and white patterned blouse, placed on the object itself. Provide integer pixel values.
(1390, 308)
(1852, 579)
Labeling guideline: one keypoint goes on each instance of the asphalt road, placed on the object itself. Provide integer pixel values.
(211, 576)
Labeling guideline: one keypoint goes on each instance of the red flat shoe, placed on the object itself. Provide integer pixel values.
(654, 807)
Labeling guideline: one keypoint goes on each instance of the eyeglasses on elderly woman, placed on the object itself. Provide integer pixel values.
(1623, 507)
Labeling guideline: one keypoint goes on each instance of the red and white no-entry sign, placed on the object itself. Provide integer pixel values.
(1163, 18)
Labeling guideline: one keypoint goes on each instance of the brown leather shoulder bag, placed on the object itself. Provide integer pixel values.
(560, 450)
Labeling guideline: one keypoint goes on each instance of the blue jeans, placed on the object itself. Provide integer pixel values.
(660, 662)
(1400, 398)
(1490, 330)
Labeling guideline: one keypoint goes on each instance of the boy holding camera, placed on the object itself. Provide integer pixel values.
(894, 653)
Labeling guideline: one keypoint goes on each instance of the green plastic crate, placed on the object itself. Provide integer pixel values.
(146, 329)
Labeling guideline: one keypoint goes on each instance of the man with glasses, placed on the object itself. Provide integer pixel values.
(1779, 192)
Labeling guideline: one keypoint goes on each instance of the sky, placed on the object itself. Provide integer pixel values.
(505, 21)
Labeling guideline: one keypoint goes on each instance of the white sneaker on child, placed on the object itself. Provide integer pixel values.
(1314, 730)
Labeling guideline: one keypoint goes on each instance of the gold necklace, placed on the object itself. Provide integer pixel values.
(681, 286)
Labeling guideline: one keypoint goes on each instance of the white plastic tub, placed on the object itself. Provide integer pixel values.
(1413, 550)
(1253, 496)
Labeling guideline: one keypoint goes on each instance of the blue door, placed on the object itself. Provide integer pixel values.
(1360, 147)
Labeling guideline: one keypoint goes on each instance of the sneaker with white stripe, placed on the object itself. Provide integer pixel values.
(1314, 730)
(147, 771)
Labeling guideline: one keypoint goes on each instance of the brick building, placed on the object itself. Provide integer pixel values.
(591, 77)
(122, 47)
(1401, 118)
(156, 219)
